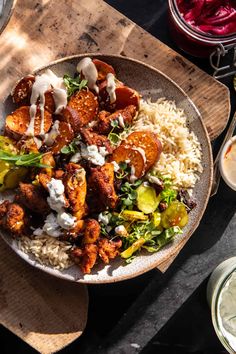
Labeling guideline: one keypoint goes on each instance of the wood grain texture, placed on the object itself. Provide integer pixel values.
(46, 312)
(42, 31)
(49, 313)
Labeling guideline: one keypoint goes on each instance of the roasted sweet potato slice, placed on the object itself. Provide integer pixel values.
(125, 96)
(18, 122)
(49, 101)
(71, 116)
(103, 69)
(65, 136)
(149, 143)
(22, 91)
(86, 105)
(124, 153)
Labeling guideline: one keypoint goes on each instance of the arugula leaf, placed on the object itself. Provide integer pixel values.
(30, 160)
(74, 84)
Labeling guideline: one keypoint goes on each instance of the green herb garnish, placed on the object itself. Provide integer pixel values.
(71, 148)
(168, 195)
(129, 195)
(28, 160)
(114, 137)
(74, 84)
(124, 171)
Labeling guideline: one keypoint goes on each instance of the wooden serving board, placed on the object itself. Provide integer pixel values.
(46, 312)
(43, 31)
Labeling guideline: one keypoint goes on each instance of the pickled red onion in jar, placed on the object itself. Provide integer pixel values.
(217, 17)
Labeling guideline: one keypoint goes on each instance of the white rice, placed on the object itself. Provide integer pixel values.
(47, 250)
(181, 156)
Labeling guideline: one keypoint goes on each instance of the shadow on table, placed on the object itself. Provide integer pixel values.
(219, 213)
(190, 330)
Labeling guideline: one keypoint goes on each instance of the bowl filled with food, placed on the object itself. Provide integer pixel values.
(106, 168)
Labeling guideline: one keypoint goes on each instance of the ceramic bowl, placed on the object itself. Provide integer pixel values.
(153, 84)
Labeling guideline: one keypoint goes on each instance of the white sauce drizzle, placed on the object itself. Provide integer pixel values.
(133, 178)
(111, 87)
(89, 71)
(142, 152)
(50, 137)
(60, 99)
(154, 179)
(38, 142)
(43, 83)
(121, 121)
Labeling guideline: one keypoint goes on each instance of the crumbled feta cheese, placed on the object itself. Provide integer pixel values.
(56, 201)
(38, 232)
(104, 218)
(116, 166)
(56, 198)
(66, 220)
(94, 154)
(51, 226)
(76, 157)
(121, 230)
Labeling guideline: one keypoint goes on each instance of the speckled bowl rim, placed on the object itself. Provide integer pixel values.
(175, 249)
(222, 170)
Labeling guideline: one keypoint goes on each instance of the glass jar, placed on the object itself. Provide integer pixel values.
(219, 295)
(193, 41)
